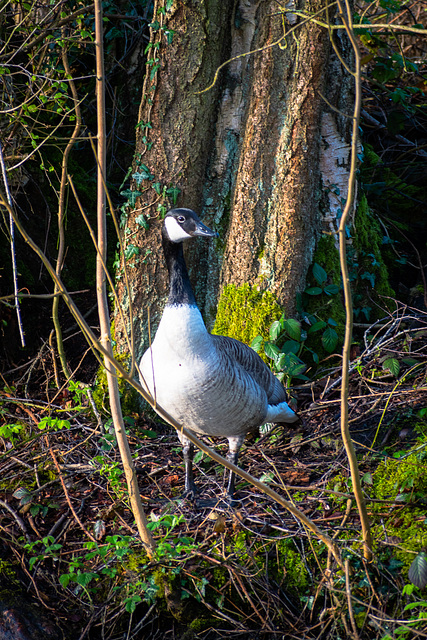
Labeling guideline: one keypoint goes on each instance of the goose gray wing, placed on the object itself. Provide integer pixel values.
(251, 362)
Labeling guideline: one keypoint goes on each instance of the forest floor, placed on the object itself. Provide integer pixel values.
(70, 560)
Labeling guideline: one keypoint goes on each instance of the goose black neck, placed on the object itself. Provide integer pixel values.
(180, 291)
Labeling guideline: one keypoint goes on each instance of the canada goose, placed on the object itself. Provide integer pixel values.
(213, 385)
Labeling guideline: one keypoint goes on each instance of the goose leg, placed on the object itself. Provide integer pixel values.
(232, 456)
(188, 451)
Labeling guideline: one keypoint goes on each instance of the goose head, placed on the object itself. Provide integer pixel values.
(184, 224)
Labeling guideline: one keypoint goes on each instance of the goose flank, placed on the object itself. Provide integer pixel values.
(213, 385)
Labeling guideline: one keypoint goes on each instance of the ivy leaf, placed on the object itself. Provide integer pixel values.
(131, 196)
(417, 573)
(367, 478)
(143, 173)
(329, 339)
(169, 33)
(319, 274)
(142, 221)
(292, 328)
(392, 364)
(173, 192)
(131, 251)
(369, 276)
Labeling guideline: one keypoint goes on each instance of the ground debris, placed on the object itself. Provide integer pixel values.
(63, 498)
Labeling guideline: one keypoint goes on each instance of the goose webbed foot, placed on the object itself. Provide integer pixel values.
(190, 491)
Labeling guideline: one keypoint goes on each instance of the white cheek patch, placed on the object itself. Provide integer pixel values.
(175, 232)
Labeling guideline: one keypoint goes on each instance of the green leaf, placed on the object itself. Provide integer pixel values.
(321, 324)
(83, 579)
(271, 351)
(367, 478)
(319, 274)
(331, 289)
(414, 605)
(142, 221)
(153, 71)
(169, 33)
(131, 196)
(392, 364)
(329, 339)
(22, 494)
(131, 251)
(130, 603)
(313, 291)
(292, 328)
(417, 573)
(291, 346)
(65, 579)
(275, 330)
(198, 457)
(296, 370)
(142, 174)
(173, 192)
(256, 343)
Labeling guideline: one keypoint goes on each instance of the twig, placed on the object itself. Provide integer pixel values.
(346, 18)
(67, 497)
(349, 603)
(12, 249)
(18, 520)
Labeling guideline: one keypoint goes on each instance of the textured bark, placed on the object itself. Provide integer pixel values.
(182, 121)
(274, 215)
(245, 154)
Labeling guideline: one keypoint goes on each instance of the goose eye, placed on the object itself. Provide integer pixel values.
(181, 219)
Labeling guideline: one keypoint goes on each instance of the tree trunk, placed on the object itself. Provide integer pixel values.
(246, 154)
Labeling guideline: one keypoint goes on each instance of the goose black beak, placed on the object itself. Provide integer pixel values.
(204, 231)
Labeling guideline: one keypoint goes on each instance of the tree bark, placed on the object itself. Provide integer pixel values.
(245, 154)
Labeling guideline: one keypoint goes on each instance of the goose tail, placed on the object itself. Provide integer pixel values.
(281, 413)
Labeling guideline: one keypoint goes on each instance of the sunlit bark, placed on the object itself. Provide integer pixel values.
(245, 154)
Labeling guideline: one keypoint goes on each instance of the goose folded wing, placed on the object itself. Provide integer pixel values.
(251, 362)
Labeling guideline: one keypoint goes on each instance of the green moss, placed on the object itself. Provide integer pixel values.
(290, 564)
(369, 273)
(403, 480)
(245, 312)
(327, 256)
(200, 624)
